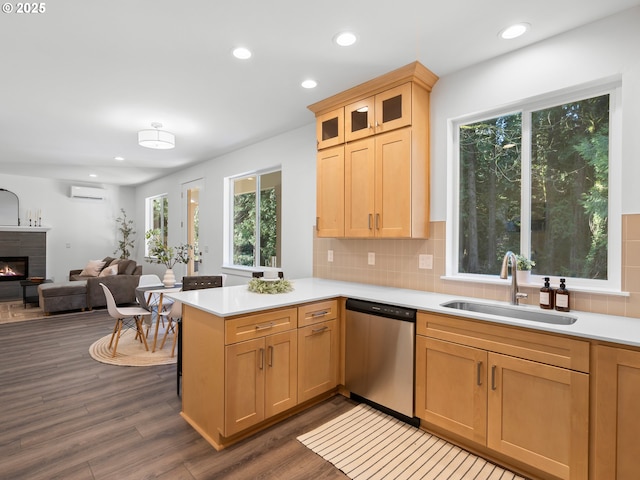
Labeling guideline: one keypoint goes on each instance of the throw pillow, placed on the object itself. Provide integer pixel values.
(107, 261)
(126, 267)
(92, 269)
(108, 271)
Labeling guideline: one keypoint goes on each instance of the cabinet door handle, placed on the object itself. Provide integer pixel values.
(261, 355)
(479, 374)
(270, 356)
(318, 330)
(377, 221)
(370, 221)
(317, 223)
(319, 314)
(493, 377)
(264, 326)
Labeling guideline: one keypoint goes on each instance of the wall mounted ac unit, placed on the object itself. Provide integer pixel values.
(87, 192)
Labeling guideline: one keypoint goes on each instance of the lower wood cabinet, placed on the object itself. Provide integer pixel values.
(239, 372)
(616, 414)
(532, 412)
(261, 379)
(317, 359)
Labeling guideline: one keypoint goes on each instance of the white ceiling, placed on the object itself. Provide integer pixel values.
(78, 81)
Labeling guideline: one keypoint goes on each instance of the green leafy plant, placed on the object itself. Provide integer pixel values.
(524, 263)
(258, 285)
(126, 229)
(164, 255)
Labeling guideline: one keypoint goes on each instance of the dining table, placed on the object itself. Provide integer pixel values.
(151, 297)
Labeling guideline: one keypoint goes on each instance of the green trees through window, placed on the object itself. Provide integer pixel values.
(256, 220)
(536, 182)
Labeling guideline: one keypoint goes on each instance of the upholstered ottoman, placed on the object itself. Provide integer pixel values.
(59, 297)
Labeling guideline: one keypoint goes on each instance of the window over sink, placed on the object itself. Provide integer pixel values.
(539, 178)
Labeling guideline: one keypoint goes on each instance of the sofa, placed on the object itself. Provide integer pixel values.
(122, 279)
(83, 288)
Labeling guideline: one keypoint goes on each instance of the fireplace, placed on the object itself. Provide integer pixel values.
(14, 268)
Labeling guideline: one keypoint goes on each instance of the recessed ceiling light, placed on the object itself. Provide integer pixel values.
(118, 158)
(309, 84)
(242, 53)
(93, 175)
(345, 39)
(514, 31)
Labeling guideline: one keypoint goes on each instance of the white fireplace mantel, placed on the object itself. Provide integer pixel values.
(16, 228)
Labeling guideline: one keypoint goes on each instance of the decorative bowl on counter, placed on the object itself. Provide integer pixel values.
(36, 279)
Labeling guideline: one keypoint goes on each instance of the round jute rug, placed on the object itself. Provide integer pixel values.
(131, 352)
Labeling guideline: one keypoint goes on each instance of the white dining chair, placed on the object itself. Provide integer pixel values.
(173, 316)
(123, 315)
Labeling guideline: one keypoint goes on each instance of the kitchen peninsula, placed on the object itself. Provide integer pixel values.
(251, 360)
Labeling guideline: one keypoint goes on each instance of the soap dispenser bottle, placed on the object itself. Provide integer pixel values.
(546, 295)
(562, 297)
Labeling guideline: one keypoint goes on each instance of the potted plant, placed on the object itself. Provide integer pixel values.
(524, 268)
(125, 227)
(164, 255)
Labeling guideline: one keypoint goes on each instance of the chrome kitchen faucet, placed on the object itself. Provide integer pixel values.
(515, 295)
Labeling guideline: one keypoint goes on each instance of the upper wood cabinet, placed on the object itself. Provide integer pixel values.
(385, 184)
(330, 192)
(379, 178)
(383, 112)
(330, 128)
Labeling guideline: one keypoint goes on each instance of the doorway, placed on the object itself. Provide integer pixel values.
(192, 194)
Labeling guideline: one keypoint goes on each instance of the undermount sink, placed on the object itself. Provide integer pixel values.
(521, 313)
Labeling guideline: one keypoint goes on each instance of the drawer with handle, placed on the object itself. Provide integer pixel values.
(255, 326)
(317, 312)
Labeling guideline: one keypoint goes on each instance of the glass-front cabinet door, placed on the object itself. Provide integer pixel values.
(330, 128)
(359, 117)
(393, 108)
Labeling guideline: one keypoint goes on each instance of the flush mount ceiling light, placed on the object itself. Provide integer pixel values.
(514, 31)
(156, 138)
(242, 53)
(345, 39)
(309, 84)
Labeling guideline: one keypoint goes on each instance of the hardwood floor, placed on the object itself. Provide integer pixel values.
(65, 416)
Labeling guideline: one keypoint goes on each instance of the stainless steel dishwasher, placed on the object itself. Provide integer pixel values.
(380, 356)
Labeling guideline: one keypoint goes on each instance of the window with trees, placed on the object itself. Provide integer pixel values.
(157, 217)
(536, 181)
(255, 229)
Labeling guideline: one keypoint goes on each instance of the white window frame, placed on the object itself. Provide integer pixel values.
(229, 218)
(148, 221)
(614, 259)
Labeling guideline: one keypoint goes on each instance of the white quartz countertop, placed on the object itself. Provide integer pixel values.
(238, 300)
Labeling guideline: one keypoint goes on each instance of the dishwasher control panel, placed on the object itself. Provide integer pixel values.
(382, 310)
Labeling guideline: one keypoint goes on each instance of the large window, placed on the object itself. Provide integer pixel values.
(536, 181)
(157, 217)
(255, 229)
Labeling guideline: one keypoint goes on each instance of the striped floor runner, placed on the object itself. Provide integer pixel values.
(367, 444)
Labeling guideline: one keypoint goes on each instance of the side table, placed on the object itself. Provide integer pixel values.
(25, 284)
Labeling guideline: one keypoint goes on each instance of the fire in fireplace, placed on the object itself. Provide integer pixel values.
(14, 268)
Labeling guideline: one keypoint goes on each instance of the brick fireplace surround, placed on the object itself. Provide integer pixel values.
(18, 242)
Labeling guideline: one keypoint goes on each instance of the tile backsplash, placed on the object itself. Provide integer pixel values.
(396, 265)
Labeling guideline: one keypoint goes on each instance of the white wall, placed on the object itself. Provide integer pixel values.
(295, 152)
(607, 48)
(87, 226)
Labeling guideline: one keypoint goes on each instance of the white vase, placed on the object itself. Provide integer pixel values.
(524, 277)
(169, 279)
